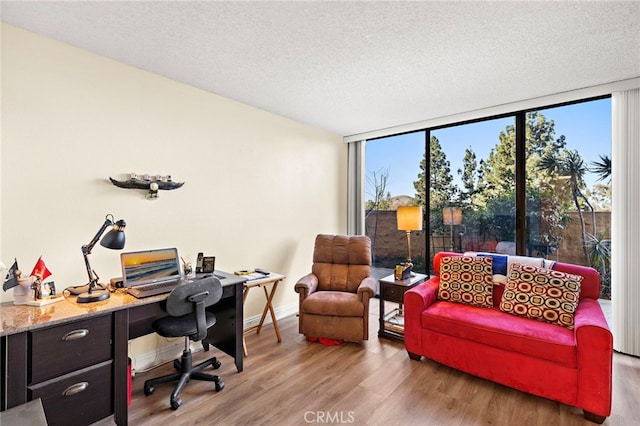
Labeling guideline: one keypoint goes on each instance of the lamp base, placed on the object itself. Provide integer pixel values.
(94, 296)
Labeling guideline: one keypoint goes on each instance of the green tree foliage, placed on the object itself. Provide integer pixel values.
(470, 176)
(495, 185)
(442, 190)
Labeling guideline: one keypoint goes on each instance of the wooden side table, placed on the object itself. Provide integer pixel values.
(272, 279)
(392, 290)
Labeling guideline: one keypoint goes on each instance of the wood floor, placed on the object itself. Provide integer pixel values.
(298, 382)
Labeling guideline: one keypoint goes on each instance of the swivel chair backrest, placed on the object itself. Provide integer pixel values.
(192, 297)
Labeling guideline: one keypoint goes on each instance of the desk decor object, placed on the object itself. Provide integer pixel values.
(150, 183)
(114, 239)
(30, 290)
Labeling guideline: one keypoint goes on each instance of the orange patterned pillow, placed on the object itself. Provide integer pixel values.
(542, 294)
(466, 279)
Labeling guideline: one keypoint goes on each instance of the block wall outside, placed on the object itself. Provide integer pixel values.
(388, 242)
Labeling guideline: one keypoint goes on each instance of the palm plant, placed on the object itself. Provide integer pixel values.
(599, 249)
(602, 168)
(569, 165)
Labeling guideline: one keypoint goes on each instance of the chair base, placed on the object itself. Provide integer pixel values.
(186, 373)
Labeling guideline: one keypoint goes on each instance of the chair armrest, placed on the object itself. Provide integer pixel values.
(416, 300)
(306, 285)
(594, 346)
(367, 289)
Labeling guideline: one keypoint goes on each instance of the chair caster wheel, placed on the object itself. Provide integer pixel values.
(148, 390)
(216, 364)
(219, 385)
(175, 403)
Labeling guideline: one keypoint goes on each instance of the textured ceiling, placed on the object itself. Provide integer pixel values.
(351, 67)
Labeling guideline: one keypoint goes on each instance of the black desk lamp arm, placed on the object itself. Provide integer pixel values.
(86, 251)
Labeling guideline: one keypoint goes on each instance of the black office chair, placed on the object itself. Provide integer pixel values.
(186, 306)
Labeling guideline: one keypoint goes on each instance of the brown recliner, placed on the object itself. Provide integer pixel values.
(334, 297)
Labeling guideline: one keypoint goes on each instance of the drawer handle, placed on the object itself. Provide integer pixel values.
(75, 335)
(74, 389)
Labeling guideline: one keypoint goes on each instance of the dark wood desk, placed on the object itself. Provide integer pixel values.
(39, 360)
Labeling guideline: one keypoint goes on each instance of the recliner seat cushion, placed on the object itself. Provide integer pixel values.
(336, 303)
(492, 327)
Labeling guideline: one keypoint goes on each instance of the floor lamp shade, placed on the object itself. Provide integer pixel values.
(452, 216)
(409, 218)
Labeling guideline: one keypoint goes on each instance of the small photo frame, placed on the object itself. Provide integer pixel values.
(208, 264)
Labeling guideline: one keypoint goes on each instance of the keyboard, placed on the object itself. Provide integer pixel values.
(147, 290)
(153, 289)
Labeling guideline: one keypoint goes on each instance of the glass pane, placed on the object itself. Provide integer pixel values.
(392, 166)
(472, 176)
(569, 185)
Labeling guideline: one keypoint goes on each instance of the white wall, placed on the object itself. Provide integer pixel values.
(259, 187)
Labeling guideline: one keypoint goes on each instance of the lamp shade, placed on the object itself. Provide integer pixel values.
(115, 238)
(452, 216)
(409, 218)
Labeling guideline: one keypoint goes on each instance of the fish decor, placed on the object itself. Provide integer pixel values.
(150, 183)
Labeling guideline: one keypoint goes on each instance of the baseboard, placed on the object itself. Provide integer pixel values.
(169, 350)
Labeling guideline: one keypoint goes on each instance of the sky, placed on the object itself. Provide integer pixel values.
(586, 127)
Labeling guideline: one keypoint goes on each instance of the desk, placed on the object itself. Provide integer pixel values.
(273, 279)
(32, 367)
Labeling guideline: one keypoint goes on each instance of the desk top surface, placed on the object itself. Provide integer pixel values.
(18, 318)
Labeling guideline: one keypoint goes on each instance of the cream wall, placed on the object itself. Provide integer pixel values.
(259, 187)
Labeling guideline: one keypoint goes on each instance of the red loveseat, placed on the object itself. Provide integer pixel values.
(569, 366)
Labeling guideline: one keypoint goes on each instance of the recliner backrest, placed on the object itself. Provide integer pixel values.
(192, 297)
(341, 262)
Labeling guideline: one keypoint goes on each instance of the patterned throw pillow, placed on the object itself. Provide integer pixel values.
(466, 279)
(542, 294)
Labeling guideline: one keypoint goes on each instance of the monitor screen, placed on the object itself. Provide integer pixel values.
(147, 266)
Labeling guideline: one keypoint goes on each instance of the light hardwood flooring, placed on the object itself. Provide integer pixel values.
(297, 382)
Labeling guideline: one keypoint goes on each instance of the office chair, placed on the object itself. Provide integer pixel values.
(188, 317)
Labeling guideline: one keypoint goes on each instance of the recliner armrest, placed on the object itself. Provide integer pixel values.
(306, 285)
(367, 289)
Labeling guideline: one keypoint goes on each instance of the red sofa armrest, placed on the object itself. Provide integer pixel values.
(416, 300)
(594, 343)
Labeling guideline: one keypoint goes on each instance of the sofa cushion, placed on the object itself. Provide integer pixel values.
(541, 294)
(495, 328)
(466, 279)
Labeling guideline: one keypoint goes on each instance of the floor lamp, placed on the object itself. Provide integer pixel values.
(409, 219)
(452, 216)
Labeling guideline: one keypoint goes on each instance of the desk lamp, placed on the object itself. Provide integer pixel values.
(114, 239)
(409, 219)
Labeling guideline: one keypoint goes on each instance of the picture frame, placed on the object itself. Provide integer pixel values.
(208, 264)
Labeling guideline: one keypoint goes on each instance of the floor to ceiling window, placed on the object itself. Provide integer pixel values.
(533, 183)
(392, 167)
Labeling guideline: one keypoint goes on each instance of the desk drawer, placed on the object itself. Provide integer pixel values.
(65, 348)
(393, 293)
(79, 398)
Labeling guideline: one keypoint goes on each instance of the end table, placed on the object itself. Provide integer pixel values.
(392, 290)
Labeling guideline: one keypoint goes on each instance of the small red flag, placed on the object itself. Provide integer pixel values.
(40, 270)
